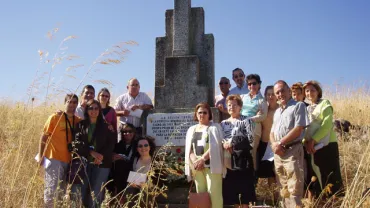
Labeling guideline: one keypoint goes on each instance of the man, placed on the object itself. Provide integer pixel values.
(88, 93)
(54, 149)
(220, 100)
(127, 103)
(286, 136)
(239, 79)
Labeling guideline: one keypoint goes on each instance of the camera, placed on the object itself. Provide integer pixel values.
(70, 148)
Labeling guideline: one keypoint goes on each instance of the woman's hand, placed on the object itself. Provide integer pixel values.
(228, 147)
(97, 156)
(310, 146)
(97, 162)
(199, 164)
(116, 157)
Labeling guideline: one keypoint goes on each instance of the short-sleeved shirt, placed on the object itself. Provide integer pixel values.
(219, 99)
(239, 91)
(125, 101)
(55, 127)
(251, 105)
(294, 114)
(80, 112)
(238, 128)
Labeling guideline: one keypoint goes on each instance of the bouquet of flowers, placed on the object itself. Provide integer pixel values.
(175, 166)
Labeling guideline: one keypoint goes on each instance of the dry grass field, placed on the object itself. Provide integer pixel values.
(22, 182)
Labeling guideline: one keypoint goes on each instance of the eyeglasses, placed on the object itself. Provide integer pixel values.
(252, 83)
(240, 75)
(203, 112)
(101, 95)
(127, 132)
(223, 83)
(141, 146)
(93, 108)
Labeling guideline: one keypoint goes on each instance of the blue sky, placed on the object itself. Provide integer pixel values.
(328, 41)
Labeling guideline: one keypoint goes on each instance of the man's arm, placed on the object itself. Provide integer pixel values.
(43, 140)
(122, 112)
(146, 107)
(292, 135)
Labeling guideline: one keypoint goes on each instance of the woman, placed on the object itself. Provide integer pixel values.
(142, 163)
(108, 112)
(266, 167)
(255, 107)
(204, 155)
(238, 186)
(123, 155)
(321, 141)
(95, 142)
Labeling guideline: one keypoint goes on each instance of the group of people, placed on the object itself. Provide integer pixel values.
(84, 146)
(286, 135)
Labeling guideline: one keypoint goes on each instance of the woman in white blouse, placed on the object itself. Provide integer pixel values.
(204, 155)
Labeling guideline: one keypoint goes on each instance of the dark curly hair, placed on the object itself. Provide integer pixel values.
(150, 142)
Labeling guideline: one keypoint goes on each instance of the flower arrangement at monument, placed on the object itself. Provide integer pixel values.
(175, 165)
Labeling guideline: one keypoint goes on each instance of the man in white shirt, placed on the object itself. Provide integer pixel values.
(88, 93)
(132, 100)
(239, 79)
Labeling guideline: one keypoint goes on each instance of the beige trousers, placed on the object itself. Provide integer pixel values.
(290, 175)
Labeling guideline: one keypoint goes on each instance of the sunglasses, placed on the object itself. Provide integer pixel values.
(93, 108)
(203, 112)
(141, 146)
(223, 83)
(252, 83)
(240, 75)
(107, 96)
(127, 132)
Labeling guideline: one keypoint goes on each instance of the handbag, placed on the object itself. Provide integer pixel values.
(199, 200)
(76, 172)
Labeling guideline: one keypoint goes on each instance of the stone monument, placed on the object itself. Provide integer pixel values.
(184, 74)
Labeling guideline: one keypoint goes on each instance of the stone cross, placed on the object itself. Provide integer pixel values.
(181, 25)
(184, 66)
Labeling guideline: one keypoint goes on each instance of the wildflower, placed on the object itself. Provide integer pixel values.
(313, 178)
(178, 150)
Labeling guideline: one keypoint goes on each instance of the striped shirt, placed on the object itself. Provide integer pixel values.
(126, 101)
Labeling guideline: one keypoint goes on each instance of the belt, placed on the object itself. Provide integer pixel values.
(290, 145)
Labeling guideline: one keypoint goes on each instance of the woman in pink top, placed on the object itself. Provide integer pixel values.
(108, 112)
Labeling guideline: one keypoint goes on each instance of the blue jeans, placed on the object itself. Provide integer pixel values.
(55, 177)
(92, 185)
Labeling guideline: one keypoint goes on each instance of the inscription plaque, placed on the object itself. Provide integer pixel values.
(169, 127)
